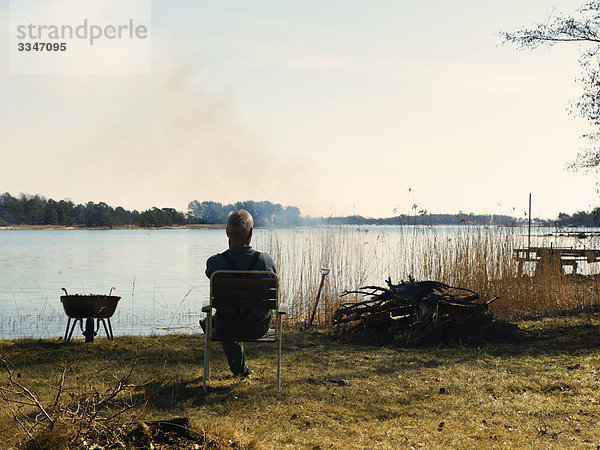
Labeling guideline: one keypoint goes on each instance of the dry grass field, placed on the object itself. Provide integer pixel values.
(541, 392)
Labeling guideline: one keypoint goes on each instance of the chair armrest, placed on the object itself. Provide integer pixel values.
(206, 309)
(283, 309)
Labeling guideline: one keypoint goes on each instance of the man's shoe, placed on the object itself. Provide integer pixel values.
(244, 374)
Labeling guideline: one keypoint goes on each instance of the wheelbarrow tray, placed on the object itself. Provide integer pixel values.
(95, 306)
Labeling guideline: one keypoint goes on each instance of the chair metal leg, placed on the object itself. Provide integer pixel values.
(205, 373)
(279, 367)
(279, 352)
(207, 336)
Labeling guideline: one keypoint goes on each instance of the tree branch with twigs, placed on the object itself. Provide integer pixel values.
(582, 29)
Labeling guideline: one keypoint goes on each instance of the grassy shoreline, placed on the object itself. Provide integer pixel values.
(541, 392)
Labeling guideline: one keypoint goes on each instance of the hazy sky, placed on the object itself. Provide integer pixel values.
(335, 106)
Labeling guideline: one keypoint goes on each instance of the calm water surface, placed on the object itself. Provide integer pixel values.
(159, 274)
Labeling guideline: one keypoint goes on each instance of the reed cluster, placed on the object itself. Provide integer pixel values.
(480, 258)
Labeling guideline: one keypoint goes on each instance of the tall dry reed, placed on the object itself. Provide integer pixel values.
(480, 258)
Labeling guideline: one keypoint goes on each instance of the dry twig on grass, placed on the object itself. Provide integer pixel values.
(88, 404)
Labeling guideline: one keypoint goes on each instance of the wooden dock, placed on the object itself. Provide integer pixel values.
(554, 259)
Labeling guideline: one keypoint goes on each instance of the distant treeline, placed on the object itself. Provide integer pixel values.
(421, 219)
(264, 213)
(579, 219)
(269, 214)
(37, 210)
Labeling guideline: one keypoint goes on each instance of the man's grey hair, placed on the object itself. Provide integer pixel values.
(239, 224)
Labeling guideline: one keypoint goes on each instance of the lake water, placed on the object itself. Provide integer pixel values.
(159, 274)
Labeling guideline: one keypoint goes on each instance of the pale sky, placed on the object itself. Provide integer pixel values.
(335, 106)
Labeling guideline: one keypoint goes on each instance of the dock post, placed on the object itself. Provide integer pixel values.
(529, 231)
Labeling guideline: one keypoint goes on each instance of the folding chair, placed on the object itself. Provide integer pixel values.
(247, 290)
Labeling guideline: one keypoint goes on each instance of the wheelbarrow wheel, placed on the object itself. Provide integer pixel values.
(89, 332)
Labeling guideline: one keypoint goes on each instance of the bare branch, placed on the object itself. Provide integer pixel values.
(584, 28)
(26, 392)
(16, 418)
(60, 387)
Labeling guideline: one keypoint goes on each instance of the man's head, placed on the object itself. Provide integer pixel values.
(239, 227)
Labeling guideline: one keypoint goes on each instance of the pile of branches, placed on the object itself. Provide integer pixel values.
(422, 312)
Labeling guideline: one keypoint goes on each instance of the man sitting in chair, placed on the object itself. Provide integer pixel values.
(240, 256)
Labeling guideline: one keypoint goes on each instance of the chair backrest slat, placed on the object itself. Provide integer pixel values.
(244, 289)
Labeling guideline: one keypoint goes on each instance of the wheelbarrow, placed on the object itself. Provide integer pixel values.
(89, 307)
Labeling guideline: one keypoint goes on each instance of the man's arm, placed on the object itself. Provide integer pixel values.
(269, 263)
(210, 266)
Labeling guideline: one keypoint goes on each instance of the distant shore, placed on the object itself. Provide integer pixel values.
(126, 227)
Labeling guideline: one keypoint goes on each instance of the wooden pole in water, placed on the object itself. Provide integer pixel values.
(529, 232)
